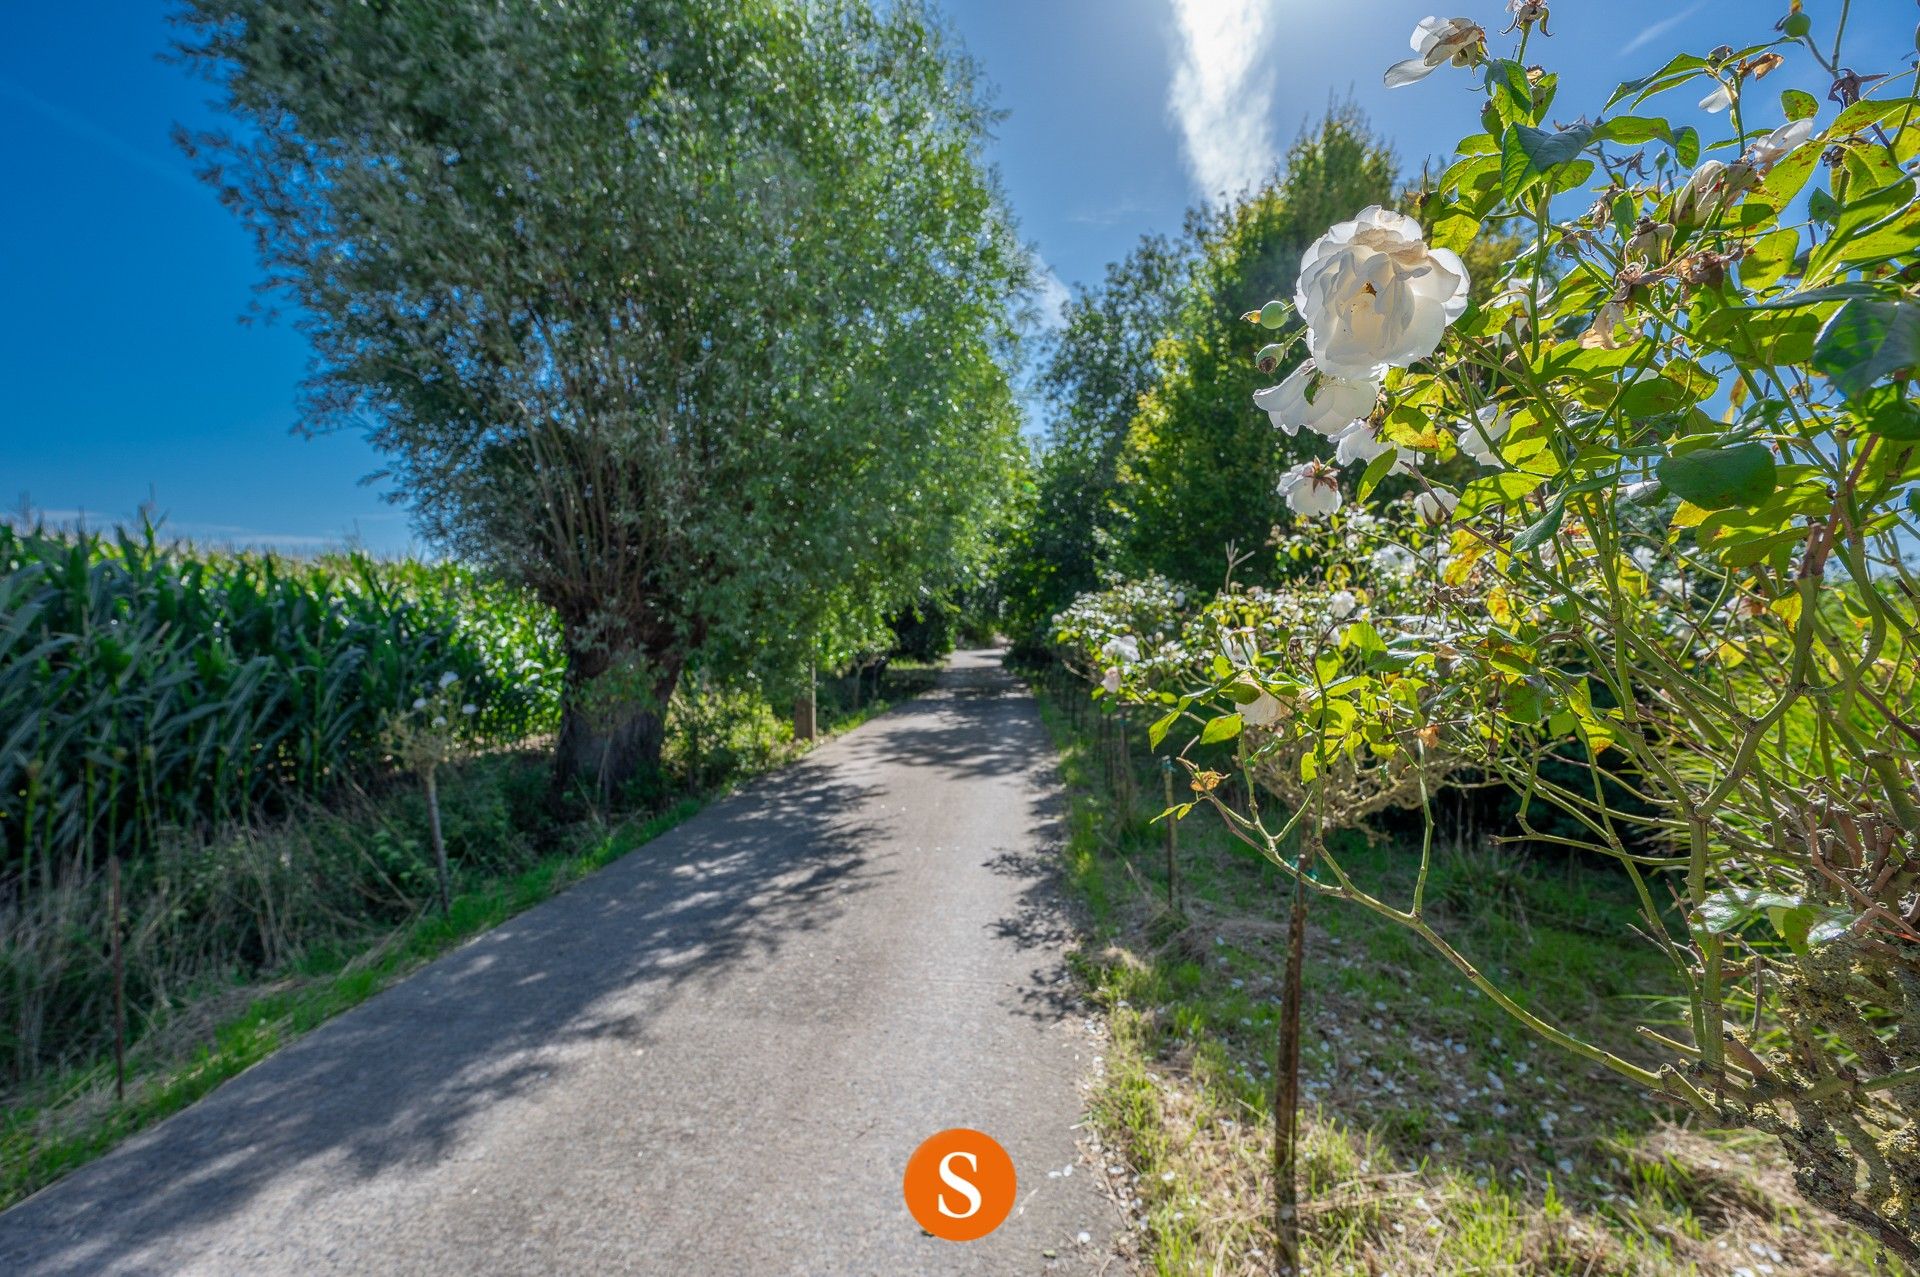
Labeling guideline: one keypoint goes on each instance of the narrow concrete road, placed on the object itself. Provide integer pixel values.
(713, 1057)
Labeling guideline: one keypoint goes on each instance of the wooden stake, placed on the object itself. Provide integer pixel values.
(119, 983)
(1173, 837)
(1286, 1074)
(439, 843)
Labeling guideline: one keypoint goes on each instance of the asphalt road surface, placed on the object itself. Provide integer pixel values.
(712, 1057)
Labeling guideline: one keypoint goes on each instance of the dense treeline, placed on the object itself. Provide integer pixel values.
(1151, 461)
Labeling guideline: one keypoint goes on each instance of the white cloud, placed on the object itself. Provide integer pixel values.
(1655, 30)
(1222, 92)
(1048, 297)
(1052, 297)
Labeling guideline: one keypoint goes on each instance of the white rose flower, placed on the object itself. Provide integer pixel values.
(1123, 650)
(1712, 187)
(1717, 101)
(1775, 146)
(1239, 650)
(1644, 558)
(1436, 42)
(1480, 438)
(1340, 604)
(1262, 711)
(1435, 506)
(1362, 442)
(419, 702)
(1312, 489)
(1703, 195)
(1600, 333)
(1373, 293)
(1392, 560)
(1336, 402)
(1111, 681)
(448, 679)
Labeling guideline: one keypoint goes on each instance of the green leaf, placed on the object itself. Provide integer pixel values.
(1866, 341)
(1682, 68)
(1760, 335)
(1679, 382)
(1219, 729)
(1453, 230)
(1886, 412)
(1633, 130)
(1787, 179)
(1715, 478)
(1362, 637)
(1376, 470)
(1806, 926)
(1733, 907)
(1768, 258)
(1542, 530)
(1158, 732)
(1686, 146)
(1874, 206)
(1491, 491)
(1799, 104)
(1863, 113)
(1890, 239)
(1546, 150)
(1814, 296)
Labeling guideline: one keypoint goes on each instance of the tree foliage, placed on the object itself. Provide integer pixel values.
(685, 315)
(1197, 470)
(1099, 366)
(1151, 462)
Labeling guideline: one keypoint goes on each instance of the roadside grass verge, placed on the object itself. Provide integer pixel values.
(224, 1024)
(1438, 1137)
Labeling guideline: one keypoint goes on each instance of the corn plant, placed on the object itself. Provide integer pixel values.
(146, 688)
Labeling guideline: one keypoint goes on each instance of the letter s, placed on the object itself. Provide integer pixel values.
(952, 1180)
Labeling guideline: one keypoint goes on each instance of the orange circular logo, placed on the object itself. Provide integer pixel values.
(960, 1185)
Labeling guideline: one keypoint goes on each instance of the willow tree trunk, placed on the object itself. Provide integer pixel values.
(611, 738)
(806, 709)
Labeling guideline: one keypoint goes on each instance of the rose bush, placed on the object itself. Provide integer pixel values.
(1676, 567)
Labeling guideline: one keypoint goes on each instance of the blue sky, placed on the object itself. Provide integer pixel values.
(126, 374)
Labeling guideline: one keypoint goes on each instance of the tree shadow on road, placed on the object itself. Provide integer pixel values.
(397, 1080)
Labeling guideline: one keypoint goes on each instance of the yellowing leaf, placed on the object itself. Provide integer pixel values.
(1689, 515)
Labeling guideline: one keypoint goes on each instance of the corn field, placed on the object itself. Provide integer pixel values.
(159, 705)
(147, 691)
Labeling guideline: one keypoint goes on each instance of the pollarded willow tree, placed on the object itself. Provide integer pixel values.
(686, 315)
